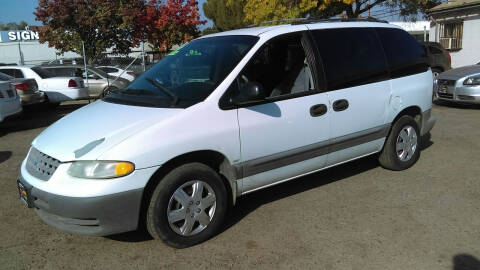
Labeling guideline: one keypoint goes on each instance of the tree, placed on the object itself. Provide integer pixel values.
(99, 24)
(226, 14)
(119, 25)
(164, 24)
(260, 11)
(13, 26)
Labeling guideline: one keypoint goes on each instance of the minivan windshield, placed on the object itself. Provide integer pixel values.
(187, 75)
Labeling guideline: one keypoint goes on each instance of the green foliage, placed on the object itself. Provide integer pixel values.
(260, 11)
(226, 14)
(13, 26)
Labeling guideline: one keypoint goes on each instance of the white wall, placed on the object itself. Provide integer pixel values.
(33, 53)
(470, 52)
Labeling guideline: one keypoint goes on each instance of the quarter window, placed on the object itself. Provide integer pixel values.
(405, 55)
(351, 57)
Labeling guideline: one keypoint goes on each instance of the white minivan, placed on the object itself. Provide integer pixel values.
(225, 115)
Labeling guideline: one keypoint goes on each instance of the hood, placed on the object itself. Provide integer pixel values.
(461, 72)
(88, 132)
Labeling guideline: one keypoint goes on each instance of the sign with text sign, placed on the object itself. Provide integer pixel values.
(15, 36)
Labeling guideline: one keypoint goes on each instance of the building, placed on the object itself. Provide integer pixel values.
(24, 48)
(456, 25)
(420, 30)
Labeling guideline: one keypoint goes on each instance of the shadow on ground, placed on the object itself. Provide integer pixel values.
(36, 117)
(5, 155)
(465, 262)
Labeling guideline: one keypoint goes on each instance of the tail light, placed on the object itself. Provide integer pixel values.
(1, 95)
(130, 73)
(72, 83)
(22, 87)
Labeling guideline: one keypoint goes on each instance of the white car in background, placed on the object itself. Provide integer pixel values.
(10, 103)
(118, 72)
(57, 89)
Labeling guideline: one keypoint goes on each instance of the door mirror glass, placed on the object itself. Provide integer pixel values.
(251, 92)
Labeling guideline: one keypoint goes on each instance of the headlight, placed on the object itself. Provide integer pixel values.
(100, 169)
(472, 81)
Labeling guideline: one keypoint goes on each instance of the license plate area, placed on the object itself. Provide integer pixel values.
(10, 93)
(442, 89)
(24, 194)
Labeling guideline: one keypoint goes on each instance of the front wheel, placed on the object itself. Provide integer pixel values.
(401, 149)
(188, 206)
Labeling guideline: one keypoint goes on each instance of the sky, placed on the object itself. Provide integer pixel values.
(18, 10)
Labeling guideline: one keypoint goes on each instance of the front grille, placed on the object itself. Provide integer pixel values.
(40, 165)
(446, 82)
(445, 95)
(462, 97)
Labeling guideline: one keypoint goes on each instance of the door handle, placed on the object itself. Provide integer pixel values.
(318, 110)
(340, 105)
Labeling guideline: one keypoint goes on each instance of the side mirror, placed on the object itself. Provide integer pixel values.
(251, 92)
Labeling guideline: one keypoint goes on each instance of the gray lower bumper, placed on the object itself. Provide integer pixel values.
(96, 216)
(428, 121)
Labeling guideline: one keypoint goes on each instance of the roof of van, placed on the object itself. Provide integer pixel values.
(258, 31)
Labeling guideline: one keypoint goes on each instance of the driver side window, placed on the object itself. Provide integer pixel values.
(281, 67)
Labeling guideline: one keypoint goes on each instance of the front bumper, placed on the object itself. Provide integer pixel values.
(459, 93)
(96, 216)
(428, 121)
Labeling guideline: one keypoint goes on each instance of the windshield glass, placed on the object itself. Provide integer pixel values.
(5, 77)
(188, 75)
(43, 73)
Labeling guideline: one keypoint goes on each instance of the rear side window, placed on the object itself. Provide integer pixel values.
(43, 73)
(5, 77)
(351, 57)
(108, 69)
(435, 50)
(405, 55)
(16, 73)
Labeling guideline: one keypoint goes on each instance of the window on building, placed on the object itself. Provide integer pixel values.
(451, 35)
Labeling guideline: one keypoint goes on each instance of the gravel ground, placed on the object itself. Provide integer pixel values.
(356, 216)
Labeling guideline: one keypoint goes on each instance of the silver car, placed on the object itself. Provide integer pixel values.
(99, 83)
(461, 85)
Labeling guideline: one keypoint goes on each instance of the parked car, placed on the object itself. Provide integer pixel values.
(438, 58)
(99, 83)
(27, 89)
(118, 72)
(64, 61)
(57, 89)
(115, 61)
(226, 115)
(10, 103)
(459, 85)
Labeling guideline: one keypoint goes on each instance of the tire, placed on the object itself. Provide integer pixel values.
(49, 105)
(163, 202)
(408, 153)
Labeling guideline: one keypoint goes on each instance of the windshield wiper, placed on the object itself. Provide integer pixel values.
(163, 89)
(138, 92)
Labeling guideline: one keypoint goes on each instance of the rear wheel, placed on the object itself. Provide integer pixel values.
(188, 206)
(401, 148)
